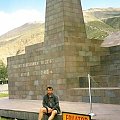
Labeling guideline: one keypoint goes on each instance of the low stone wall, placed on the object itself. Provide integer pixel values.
(24, 115)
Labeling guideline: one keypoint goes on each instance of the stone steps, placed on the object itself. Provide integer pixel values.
(107, 73)
(99, 95)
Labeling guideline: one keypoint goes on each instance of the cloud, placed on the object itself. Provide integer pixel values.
(9, 21)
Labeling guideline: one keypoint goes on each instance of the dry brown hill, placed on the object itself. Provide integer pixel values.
(14, 42)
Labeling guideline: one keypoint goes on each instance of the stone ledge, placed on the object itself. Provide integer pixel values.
(24, 115)
(20, 115)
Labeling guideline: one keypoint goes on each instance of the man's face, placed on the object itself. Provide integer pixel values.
(49, 91)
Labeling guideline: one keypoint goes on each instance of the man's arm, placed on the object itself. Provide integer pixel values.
(56, 106)
(44, 102)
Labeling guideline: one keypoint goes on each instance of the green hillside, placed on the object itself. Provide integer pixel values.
(98, 29)
(100, 22)
(113, 22)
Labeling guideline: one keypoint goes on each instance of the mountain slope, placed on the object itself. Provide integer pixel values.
(103, 13)
(113, 22)
(99, 24)
(98, 30)
(14, 42)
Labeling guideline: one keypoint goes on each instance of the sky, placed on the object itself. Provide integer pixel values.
(14, 13)
(86, 4)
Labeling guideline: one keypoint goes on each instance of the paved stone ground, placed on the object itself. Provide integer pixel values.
(102, 111)
(3, 88)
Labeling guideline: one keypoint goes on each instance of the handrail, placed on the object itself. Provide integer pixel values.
(94, 81)
(90, 97)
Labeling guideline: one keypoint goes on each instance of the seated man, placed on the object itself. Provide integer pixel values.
(50, 105)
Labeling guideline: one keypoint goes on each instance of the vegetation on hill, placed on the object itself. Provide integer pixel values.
(3, 72)
(113, 22)
(100, 22)
(98, 29)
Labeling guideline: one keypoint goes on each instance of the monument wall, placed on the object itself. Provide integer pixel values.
(107, 73)
(105, 80)
(65, 55)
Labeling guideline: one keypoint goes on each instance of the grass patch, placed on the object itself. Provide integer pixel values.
(3, 95)
(5, 119)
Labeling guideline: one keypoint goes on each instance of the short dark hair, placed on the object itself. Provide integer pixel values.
(49, 88)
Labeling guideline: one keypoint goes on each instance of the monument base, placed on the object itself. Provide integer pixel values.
(28, 109)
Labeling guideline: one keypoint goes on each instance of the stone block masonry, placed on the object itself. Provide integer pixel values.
(65, 55)
(107, 73)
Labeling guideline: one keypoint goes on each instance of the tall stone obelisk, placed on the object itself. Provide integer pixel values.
(64, 22)
(65, 38)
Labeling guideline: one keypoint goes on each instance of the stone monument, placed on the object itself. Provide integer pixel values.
(61, 60)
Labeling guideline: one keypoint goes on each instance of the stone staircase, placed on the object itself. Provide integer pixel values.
(105, 81)
(107, 74)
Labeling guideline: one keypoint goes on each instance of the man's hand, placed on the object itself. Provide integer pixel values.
(50, 110)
